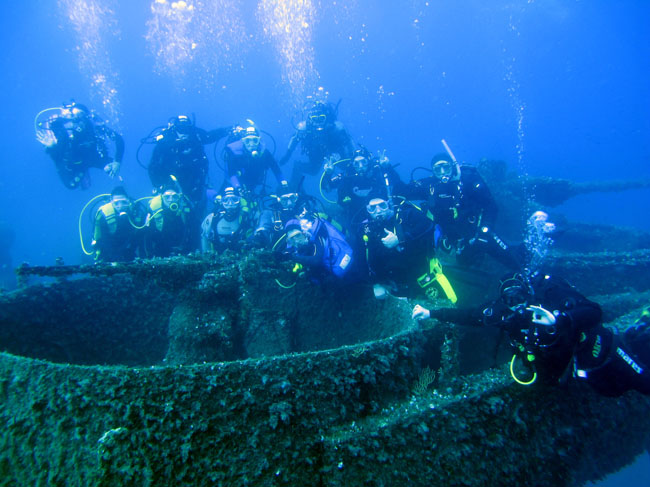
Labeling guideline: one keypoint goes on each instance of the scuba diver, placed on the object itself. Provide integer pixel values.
(179, 154)
(398, 241)
(167, 229)
(359, 180)
(321, 136)
(247, 161)
(117, 236)
(464, 211)
(277, 209)
(317, 245)
(229, 224)
(556, 332)
(75, 138)
(179, 151)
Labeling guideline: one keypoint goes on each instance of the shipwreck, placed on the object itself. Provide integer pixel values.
(202, 371)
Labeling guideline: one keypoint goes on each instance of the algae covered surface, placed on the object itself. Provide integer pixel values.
(213, 375)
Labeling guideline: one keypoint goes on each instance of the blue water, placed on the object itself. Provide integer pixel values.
(557, 88)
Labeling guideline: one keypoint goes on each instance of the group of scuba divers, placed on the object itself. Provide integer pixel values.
(379, 231)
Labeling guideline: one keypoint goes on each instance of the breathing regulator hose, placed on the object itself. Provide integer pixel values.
(322, 178)
(81, 238)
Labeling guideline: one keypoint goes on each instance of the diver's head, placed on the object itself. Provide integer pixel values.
(307, 224)
(319, 116)
(120, 200)
(514, 291)
(444, 169)
(182, 126)
(288, 199)
(296, 236)
(361, 161)
(251, 140)
(171, 199)
(379, 209)
(230, 201)
(74, 111)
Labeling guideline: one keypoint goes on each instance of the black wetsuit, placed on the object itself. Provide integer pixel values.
(317, 145)
(404, 263)
(356, 189)
(185, 159)
(577, 343)
(116, 238)
(244, 170)
(80, 145)
(465, 212)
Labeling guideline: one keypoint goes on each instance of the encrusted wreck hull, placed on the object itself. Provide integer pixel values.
(230, 380)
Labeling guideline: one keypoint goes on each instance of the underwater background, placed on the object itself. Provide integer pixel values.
(554, 88)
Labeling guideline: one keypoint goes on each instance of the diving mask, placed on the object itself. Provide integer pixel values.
(360, 164)
(230, 201)
(121, 204)
(443, 170)
(378, 208)
(171, 199)
(252, 143)
(183, 127)
(288, 200)
(318, 120)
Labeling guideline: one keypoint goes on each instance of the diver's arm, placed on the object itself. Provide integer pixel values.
(113, 168)
(331, 181)
(156, 168)
(215, 135)
(559, 296)
(293, 143)
(232, 174)
(118, 140)
(348, 146)
(456, 316)
(416, 226)
(311, 256)
(483, 201)
(98, 232)
(585, 315)
(275, 168)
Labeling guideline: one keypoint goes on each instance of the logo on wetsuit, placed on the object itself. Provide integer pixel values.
(595, 352)
(629, 360)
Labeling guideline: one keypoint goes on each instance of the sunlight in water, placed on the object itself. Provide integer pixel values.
(171, 37)
(289, 24)
(198, 37)
(93, 22)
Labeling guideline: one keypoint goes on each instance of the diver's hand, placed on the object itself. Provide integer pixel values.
(334, 157)
(46, 137)
(112, 169)
(383, 159)
(420, 313)
(390, 240)
(541, 316)
(328, 167)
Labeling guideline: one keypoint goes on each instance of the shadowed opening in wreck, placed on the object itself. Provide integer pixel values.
(89, 321)
(123, 320)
